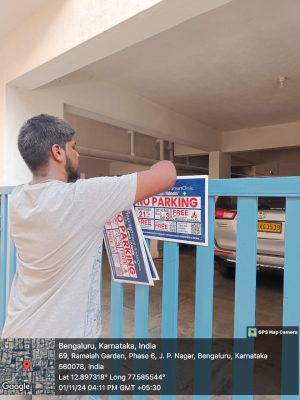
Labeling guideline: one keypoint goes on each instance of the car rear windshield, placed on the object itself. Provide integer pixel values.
(264, 203)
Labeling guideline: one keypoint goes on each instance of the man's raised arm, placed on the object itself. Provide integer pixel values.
(160, 177)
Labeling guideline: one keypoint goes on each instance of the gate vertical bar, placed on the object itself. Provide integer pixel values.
(141, 308)
(170, 290)
(116, 316)
(170, 294)
(101, 287)
(116, 309)
(141, 311)
(245, 277)
(205, 280)
(204, 292)
(3, 257)
(141, 318)
(291, 292)
(141, 315)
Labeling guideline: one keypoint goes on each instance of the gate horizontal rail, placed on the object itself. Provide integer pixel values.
(247, 190)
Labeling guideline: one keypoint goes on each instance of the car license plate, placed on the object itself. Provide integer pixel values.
(269, 226)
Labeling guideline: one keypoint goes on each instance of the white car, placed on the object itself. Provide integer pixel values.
(270, 231)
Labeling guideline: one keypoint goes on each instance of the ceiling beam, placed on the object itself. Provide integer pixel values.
(111, 105)
(262, 138)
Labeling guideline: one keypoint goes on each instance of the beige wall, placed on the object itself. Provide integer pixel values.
(277, 162)
(59, 26)
(154, 120)
(119, 107)
(120, 168)
(181, 150)
(92, 167)
(66, 35)
(219, 165)
(263, 137)
(20, 105)
(289, 169)
(52, 30)
(284, 162)
(98, 135)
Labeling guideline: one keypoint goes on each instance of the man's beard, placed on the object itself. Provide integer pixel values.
(72, 173)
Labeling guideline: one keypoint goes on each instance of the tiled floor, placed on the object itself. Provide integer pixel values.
(268, 300)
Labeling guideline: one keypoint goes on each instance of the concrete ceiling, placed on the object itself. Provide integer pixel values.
(221, 67)
(14, 12)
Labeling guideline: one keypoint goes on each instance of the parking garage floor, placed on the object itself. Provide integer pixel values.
(268, 303)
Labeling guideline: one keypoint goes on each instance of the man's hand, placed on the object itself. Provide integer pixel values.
(160, 177)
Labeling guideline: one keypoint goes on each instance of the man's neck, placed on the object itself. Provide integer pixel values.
(45, 177)
(36, 180)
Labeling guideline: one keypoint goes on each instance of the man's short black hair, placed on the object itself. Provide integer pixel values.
(38, 135)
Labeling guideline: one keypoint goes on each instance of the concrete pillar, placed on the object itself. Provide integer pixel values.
(219, 165)
(154, 248)
(154, 244)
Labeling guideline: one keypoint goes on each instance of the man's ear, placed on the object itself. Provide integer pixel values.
(57, 153)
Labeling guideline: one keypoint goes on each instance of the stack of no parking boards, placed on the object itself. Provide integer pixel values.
(129, 257)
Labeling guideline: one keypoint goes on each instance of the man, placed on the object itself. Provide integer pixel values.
(57, 224)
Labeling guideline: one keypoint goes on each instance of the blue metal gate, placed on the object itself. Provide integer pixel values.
(247, 190)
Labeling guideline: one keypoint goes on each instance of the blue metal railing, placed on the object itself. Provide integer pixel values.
(247, 190)
(6, 259)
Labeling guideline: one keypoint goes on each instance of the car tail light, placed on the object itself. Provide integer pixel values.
(218, 251)
(224, 214)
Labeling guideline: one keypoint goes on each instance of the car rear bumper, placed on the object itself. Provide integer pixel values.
(263, 261)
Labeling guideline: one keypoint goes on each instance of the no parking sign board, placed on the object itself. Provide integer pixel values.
(129, 257)
(179, 214)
